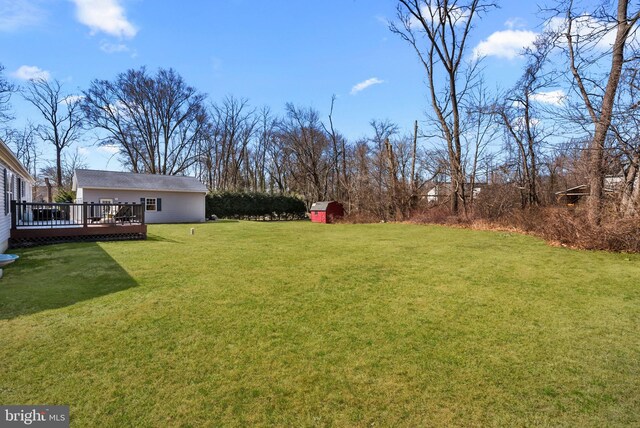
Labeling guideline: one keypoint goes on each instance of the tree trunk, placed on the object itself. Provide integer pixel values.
(59, 168)
(596, 148)
(631, 190)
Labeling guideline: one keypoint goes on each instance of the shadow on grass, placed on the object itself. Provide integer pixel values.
(56, 276)
(158, 238)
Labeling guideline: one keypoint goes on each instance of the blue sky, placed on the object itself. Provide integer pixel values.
(269, 51)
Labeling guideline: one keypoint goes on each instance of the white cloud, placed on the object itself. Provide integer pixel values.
(505, 44)
(364, 85)
(382, 20)
(73, 99)
(110, 149)
(117, 109)
(31, 72)
(513, 23)
(18, 14)
(457, 15)
(106, 16)
(589, 30)
(555, 98)
(113, 47)
(216, 63)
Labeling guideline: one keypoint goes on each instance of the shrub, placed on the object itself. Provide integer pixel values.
(437, 214)
(255, 206)
(558, 225)
(65, 196)
(496, 201)
(359, 218)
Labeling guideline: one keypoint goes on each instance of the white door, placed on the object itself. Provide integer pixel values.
(105, 210)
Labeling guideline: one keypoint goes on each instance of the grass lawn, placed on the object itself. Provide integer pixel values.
(302, 324)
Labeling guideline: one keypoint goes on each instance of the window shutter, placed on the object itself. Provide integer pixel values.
(6, 196)
(159, 204)
(143, 201)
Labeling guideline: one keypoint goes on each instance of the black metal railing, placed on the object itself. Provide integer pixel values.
(43, 215)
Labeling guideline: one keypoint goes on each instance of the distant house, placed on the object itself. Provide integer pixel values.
(15, 182)
(573, 195)
(167, 198)
(439, 192)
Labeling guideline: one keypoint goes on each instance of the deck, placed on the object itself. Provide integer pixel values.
(44, 223)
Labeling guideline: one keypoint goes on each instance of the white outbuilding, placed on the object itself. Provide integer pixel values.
(166, 198)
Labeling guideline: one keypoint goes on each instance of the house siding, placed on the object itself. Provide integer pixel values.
(177, 207)
(5, 219)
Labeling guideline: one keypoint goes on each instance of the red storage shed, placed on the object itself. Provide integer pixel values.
(326, 212)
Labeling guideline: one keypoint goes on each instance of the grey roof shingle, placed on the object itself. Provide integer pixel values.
(95, 179)
(320, 206)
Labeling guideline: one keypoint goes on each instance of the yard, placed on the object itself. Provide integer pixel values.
(302, 324)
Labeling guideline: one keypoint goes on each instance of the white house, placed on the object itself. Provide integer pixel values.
(441, 191)
(167, 198)
(15, 183)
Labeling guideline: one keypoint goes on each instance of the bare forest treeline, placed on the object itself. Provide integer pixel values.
(160, 125)
(564, 136)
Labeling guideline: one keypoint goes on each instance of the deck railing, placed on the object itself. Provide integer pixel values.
(61, 215)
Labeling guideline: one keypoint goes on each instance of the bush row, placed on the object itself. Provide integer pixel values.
(255, 206)
(558, 225)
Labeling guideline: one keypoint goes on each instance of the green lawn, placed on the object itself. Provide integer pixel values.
(302, 324)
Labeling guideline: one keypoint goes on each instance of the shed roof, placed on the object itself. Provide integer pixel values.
(96, 179)
(581, 190)
(321, 206)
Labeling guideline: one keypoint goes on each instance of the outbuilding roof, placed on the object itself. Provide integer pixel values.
(581, 190)
(320, 206)
(96, 179)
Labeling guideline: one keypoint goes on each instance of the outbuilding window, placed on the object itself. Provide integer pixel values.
(151, 204)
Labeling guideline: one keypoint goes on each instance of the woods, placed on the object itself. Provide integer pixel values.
(565, 134)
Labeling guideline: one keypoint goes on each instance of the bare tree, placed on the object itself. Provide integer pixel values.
(339, 176)
(70, 162)
(380, 169)
(266, 137)
(518, 114)
(6, 90)
(480, 129)
(62, 117)
(234, 122)
(438, 31)
(365, 198)
(403, 179)
(308, 147)
(626, 134)
(582, 35)
(157, 121)
(24, 145)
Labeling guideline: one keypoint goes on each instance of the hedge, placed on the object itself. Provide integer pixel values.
(255, 206)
